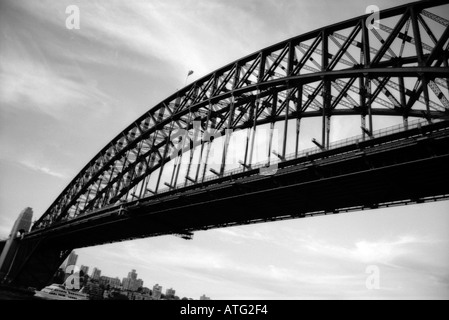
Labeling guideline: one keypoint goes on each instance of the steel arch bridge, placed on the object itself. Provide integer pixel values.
(400, 69)
(397, 68)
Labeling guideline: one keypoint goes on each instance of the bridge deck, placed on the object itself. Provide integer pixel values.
(404, 167)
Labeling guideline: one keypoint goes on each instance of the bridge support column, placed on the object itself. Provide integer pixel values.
(166, 149)
(272, 124)
(327, 95)
(298, 118)
(200, 160)
(29, 263)
(446, 64)
(425, 83)
(210, 128)
(8, 256)
(326, 116)
(287, 111)
(254, 128)
(227, 137)
(36, 263)
(403, 101)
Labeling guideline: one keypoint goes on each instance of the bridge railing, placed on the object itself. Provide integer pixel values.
(334, 145)
(379, 133)
(337, 144)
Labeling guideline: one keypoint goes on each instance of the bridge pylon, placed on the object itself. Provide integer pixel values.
(11, 247)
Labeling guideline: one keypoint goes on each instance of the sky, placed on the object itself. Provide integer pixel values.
(65, 93)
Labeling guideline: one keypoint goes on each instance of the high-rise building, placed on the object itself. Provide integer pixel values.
(138, 283)
(170, 293)
(131, 283)
(70, 261)
(203, 297)
(157, 292)
(84, 269)
(132, 275)
(126, 283)
(70, 266)
(96, 274)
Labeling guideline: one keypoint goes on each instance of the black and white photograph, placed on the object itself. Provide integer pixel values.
(250, 151)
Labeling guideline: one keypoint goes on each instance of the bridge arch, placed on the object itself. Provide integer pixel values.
(345, 69)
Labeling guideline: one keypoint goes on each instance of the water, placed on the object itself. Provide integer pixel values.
(14, 294)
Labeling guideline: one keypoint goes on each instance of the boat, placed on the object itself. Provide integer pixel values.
(60, 292)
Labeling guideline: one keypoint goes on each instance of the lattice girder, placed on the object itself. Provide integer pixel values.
(342, 69)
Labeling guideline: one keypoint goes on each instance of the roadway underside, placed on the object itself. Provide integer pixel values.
(404, 168)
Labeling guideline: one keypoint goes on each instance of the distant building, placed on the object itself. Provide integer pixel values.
(146, 290)
(157, 292)
(84, 269)
(96, 274)
(70, 266)
(132, 275)
(138, 284)
(170, 293)
(111, 282)
(70, 261)
(126, 283)
(131, 283)
(203, 297)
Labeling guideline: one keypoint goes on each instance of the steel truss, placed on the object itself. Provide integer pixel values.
(401, 69)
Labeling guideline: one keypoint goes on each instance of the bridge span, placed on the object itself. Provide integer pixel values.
(344, 70)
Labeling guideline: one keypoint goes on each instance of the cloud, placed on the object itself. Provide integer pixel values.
(381, 251)
(29, 85)
(42, 169)
(180, 33)
(324, 269)
(239, 235)
(251, 262)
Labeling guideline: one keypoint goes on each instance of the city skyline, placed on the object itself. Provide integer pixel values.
(87, 85)
(123, 284)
